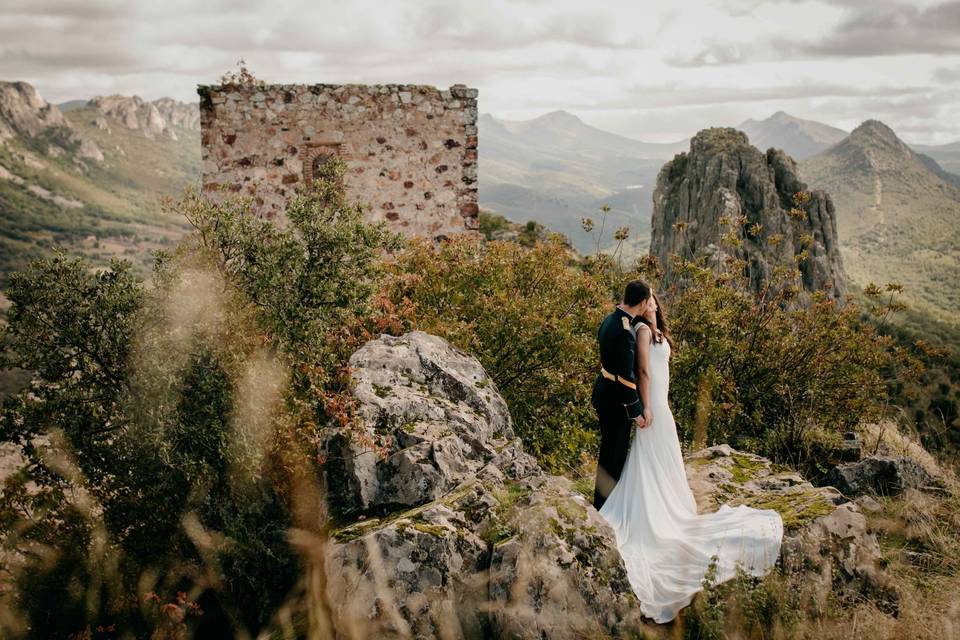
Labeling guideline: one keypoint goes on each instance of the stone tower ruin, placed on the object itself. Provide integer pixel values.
(410, 150)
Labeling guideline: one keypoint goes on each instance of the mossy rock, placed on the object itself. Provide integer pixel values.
(361, 527)
(746, 468)
(797, 508)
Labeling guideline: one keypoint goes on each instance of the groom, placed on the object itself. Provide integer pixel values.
(615, 395)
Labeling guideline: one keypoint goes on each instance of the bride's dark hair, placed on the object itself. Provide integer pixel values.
(664, 333)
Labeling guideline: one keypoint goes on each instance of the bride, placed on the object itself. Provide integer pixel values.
(666, 546)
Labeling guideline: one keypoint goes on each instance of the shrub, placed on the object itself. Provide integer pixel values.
(529, 315)
(769, 372)
(170, 433)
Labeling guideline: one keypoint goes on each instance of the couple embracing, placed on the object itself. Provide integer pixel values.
(641, 486)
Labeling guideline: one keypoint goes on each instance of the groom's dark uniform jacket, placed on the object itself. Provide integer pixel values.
(615, 397)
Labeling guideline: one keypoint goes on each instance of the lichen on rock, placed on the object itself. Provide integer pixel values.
(456, 532)
(826, 536)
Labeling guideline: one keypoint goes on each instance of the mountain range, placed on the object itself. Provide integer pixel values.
(802, 139)
(90, 175)
(556, 170)
(898, 215)
(798, 137)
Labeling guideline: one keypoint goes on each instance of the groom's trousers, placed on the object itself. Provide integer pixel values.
(614, 444)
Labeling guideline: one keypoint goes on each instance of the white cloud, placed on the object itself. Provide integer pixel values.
(640, 68)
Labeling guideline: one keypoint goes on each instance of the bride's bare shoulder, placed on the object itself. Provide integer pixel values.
(641, 326)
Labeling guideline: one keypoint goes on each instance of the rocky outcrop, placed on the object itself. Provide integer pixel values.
(133, 113)
(448, 529)
(24, 112)
(883, 475)
(185, 115)
(724, 185)
(825, 536)
(461, 534)
(26, 115)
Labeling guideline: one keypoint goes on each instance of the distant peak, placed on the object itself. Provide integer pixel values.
(873, 133)
(874, 127)
(876, 130)
(559, 116)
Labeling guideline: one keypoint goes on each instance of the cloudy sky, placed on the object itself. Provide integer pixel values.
(637, 67)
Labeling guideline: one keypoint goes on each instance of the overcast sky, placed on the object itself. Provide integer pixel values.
(641, 68)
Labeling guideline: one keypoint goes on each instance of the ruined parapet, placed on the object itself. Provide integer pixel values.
(410, 150)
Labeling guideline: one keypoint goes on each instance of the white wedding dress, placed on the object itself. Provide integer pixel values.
(666, 546)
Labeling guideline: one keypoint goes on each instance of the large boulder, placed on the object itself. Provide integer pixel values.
(886, 475)
(826, 536)
(446, 528)
(451, 529)
(433, 414)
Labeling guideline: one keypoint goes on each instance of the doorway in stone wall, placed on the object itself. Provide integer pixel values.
(316, 160)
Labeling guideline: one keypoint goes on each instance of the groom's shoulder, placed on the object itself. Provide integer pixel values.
(619, 323)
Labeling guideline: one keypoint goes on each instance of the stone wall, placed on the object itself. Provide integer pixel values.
(410, 150)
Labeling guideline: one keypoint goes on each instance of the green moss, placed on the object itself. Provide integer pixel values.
(584, 486)
(497, 532)
(745, 468)
(508, 496)
(796, 509)
(453, 498)
(409, 427)
(500, 526)
(571, 511)
(362, 527)
(555, 526)
(380, 390)
(431, 529)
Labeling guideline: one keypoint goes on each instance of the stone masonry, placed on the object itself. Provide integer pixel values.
(410, 150)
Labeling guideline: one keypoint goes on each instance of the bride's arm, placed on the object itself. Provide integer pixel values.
(643, 370)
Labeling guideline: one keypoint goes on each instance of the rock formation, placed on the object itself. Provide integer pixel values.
(185, 115)
(133, 112)
(722, 185)
(464, 534)
(25, 114)
(887, 475)
(453, 531)
(825, 535)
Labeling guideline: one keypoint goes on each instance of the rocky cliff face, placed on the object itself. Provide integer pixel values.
(185, 115)
(133, 113)
(158, 118)
(723, 184)
(453, 531)
(464, 535)
(26, 115)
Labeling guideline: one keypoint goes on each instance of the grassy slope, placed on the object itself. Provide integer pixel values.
(912, 237)
(122, 213)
